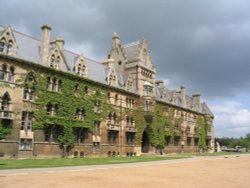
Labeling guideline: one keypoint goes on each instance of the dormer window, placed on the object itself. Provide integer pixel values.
(54, 61)
(6, 47)
(80, 67)
(7, 42)
(9, 47)
(112, 79)
(1, 47)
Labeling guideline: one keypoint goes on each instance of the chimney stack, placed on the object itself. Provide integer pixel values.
(183, 96)
(45, 41)
(160, 83)
(197, 101)
(60, 43)
(116, 43)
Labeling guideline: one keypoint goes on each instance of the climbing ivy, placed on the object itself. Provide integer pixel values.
(66, 140)
(74, 94)
(140, 124)
(78, 93)
(3, 130)
(202, 132)
(155, 123)
(157, 128)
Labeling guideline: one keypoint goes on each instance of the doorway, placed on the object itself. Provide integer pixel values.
(145, 142)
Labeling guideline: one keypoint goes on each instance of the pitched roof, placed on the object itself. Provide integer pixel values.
(131, 50)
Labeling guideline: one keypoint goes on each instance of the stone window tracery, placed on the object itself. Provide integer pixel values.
(7, 44)
(80, 67)
(53, 84)
(7, 75)
(5, 106)
(80, 114)
(55, 61)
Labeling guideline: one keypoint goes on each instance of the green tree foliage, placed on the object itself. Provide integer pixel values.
(3, 130)
(66, 140)
(232, 142)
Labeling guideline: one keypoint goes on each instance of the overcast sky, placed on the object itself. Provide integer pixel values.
(204, 45)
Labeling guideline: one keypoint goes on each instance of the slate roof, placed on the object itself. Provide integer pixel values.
(29, 49)
(131, 50)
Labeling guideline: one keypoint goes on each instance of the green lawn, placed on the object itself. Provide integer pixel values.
(221, 153)
(59, 162)
(43, 163)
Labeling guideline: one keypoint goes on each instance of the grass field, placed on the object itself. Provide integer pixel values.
(59, 162)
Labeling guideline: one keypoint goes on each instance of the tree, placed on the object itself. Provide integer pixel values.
(66, 140)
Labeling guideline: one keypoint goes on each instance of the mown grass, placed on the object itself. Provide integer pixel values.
(220, 153)
(60, 162)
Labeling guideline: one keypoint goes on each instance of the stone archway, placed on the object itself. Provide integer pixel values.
(145, 142)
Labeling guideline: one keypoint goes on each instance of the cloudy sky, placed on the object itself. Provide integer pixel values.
(204, 45)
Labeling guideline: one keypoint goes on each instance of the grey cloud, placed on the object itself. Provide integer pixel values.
(201, 44)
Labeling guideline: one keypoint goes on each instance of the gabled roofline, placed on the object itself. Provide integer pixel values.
(105, 86)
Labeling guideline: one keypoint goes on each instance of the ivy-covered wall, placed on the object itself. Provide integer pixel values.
(73, 94)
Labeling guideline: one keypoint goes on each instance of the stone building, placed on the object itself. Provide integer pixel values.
(56, 102)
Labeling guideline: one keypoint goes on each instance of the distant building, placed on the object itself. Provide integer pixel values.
(55, 101)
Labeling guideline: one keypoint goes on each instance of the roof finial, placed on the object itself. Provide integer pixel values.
(116, 43)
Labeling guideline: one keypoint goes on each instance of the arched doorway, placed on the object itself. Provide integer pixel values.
(145, 142)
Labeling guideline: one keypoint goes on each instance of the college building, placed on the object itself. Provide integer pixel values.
(58, 103)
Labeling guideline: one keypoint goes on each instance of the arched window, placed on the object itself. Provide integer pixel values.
(54, 84)
(188, 131)
(110, 116)
(80, 67)
(59, 86)
(48, 83)
(49, 109)
(127, 119)
(114, 116)
(132, 122)
(55, 110)
(5, 102)
(9, 47)
(1, 46)
(79, 70)
(56, 66)
(3, 72)
(52, 61)
(80, 114)
(11, 74)
(116, 99)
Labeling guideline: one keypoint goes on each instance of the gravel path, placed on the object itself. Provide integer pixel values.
(222, 171)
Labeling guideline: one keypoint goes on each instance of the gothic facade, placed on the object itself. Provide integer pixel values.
(52, 99)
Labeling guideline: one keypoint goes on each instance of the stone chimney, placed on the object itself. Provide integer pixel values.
(183, 96)
(116, 43)
(160, 83)
(109, 63)
(60, 43)
(45, 41)
(197, 101)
